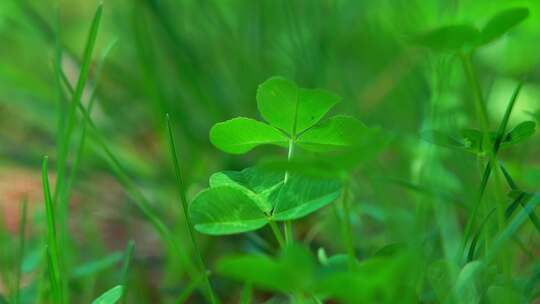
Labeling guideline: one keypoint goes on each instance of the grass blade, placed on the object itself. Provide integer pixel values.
(193, 284)
(128, 254)
(493, 155)
(20, 257)
(183, 199)
(76, 99)
(52, 249)
(138, 197)
(513, 226)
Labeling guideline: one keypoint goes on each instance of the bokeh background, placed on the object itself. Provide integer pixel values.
(201, 61)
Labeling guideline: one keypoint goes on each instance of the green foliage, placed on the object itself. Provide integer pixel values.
(471, 140)
(464, 37)
(501, 23)
(248, 200)
(412, 224)
(240, 135)
(449, 38)
(293, 114)
(111, 296)
(290, 108)
(291, 272)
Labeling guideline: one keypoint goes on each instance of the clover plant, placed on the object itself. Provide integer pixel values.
(241, 201)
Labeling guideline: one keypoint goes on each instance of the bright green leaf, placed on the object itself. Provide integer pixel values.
(335, 133)
(258, 184)
(301, 196)
(240, 135)
(111, 296)
(225, 210)
(449, 38)
(290, 108)
(502, 22)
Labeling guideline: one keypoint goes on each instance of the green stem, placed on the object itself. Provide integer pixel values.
(287, 225)
(481, 113)
(481, 110)
(479, 103)
(183, 199)
(346, 222)
(277, 233)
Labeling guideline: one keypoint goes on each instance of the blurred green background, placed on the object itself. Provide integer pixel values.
(201, 61)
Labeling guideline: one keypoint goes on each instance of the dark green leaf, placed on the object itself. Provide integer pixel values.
(449, 38)
(503, 22)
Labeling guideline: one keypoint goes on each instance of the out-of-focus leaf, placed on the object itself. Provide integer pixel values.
(440, 276)
(292, 109)
(335, 133)
(96, 266)
(503, 22)
(240, 135)
(504, 294)
(473, 140)
(111, 296)
(442, 139)
(336, 164)
(449, 38)
(519, 133)
(376, 280)
(466, 283)
(225, 210)
(292, 271)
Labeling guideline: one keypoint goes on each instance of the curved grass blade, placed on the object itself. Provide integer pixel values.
(474, 242)
(76, 99)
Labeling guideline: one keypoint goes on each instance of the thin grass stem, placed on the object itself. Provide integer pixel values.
(183, 199)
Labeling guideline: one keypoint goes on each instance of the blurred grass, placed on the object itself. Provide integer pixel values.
(201, 61)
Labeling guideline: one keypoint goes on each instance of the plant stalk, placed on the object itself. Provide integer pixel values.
(347, 228)
(287, 225)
